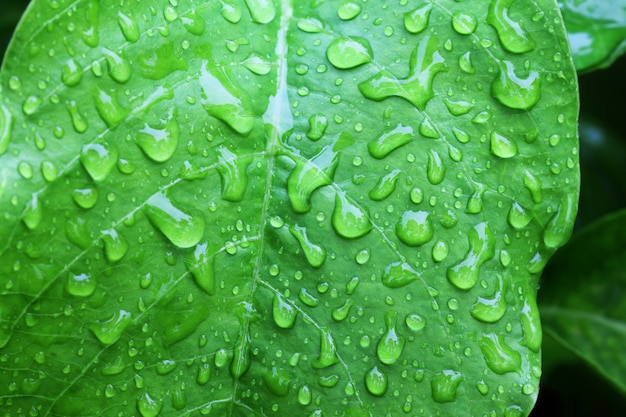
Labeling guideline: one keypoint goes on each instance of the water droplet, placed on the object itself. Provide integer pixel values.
(310, 25)
(262, 11)
(109, 108)
(376, 382)
(160, 62)
(159, 144)
(201, 265)
(90, 34)
(415, 322)
(416, 20)
(128, 25)
(463, 23)
(204, 374)
(533, 184)
(435, 170)
(444, 386)
(458, 108)
(475, 202)
(354, 281)
(148, 406)
(25, 169)
(233, 174)
(283, 312)
(85, 197)
(77, 232)
(482, 243)
(194, 23)
(391, 344)
(115, 246)
(349, 220)
(109, 331)
(515, 92)
(416, 195)
(500, 357)
(80, 285)
(341, 313)
(511, 33)
(304, 395)
(415, 228)
(71, 73)
(328, 355)
(307, 298)
(440, 251)
(399, 274)
(6, 128)
(519, 217)
(390, 141)
(230, 12)
(315, 254)
(465, 63)
(224, 99)
(502, 147)
(241, 355)
(531, 324)
(559, 228)
(119, 67)
(317, 126)
(428, 129)
(182, 229)
(345, 53)
(425, 63)
(385, 186)
(490, 310)
(221, 358)
(98, 159)
(31, 104)
(179, 398)
(328, 381)
(481, 118)
(257, 65)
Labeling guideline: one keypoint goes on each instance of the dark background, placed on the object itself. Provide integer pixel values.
(569, 387)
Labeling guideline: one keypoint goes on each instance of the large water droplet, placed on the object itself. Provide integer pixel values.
(80, 285)
(262, 11)
(376, 382)
(533, 184)
(345, 53)
(179, 398)
(78, 121)
(416, 20)
(119, 67)
(511, 33)
(315, 254)
(559, 228)
(464, 23)
(193, 22)
(204, 374)
(224, 99)
(71, 73)
(90, 34)
(348, 10)
(444, 386)
(341, 313)
(317, 126)
(160, 62)
(148, 406)
(415, 322)
(349, 219)
(391, 344)
(482, 244)
(428, 129)
(390, 141)
(6, 128)
(233, 172)
(501, 146)
(182, 229)
(33, 213)
(398, 274)
(231, 12)
(128, 25)
(115, 246)
(415, 228)
(465, 63)
(85, 197)
(490, 310)
(304, 395)
(200, 264)
(500, 357)
(385, 186)
(435, 170)
(515, 92)
(109, 331)
(531, 324)
(518, 216)
(458, 108)
(328, 355)
(78, 232)
(241, 355)
(109, 108)
(31, 104)
(159, 144)
(257, 64)
(440, 251)
(98, 159)
(310, 25)
(284, 313)
(425, 62)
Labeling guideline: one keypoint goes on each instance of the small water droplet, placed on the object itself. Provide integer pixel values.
(491, 310)
(502, 147)
(194, 23)
(200, 263)
(85, 197)
(463, 23)
(416, 195)
(415, 322)
(80, 285)
(307, 298)
(531, 324)
(355, 281)
(391, 344)
(71, 73)
(341, 313)
(376, 382)
(416, 20)
(182, 229)
(458, 108)
(518, 216)
(345, 53)
(349, 220)
(257, 65)
(283, 312)
(317, 126)
(559, 227)
(25, 169)
(109, 331)
(231, 12)
(500, 357)
(262, 11)
(31, 104)
(444, 386)
(511, 33)
(148, 406)
(415, 228)
(315, 254)
(398, 274)
(98, 159)
(233, 174)
(385, 186)
(440, 251)
(348, 10)
(78, 121)
(435, 170)
(515, 92)
(115, 246)
(482, 242)
(533, 184)
(310, 25)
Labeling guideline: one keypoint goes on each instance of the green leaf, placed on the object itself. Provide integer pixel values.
(268, 207)
(582, 297)
(596, 30)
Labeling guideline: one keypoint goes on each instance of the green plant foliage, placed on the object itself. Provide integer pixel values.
(596, 30)
(268, 207)
(582, 297)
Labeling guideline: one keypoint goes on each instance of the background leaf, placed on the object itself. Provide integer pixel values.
(596, 30)
(256, 208)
